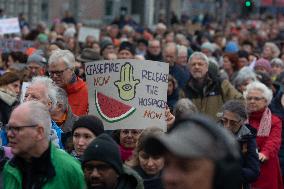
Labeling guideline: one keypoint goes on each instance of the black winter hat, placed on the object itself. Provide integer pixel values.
(91, 122)
(127, 46)
(104, 148)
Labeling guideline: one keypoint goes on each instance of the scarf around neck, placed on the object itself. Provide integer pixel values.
(265, 123)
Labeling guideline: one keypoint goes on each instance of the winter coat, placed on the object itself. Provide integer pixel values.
(149, 181)
(249, 156)
(270, 174)
(7, 103)
(129, 179)
(66, 172)
(179, 74)
(212, 96)
(78, 97)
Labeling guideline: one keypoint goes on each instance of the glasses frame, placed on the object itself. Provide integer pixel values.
(57, 73)
(17, 129)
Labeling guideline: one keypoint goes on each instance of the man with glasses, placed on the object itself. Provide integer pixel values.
(103, 167)
(207, 91)
(37, 163)
(61, 66)
(233, 118)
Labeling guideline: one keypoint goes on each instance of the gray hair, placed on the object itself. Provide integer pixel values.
(235, 106)
(152, 41)
(184, 105)
(275, 50)
(51, 88)
(200, 55)
(256, 85)
(182, 49)
(65, 55)
(277, 61)
(244, 74)
(39, 114)
(62, 98)
(171, 45)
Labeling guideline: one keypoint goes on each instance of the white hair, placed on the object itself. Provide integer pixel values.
(38, 115)
(265, 91)
(244, 74)
(181, 49)
(200, 55)
(62, 98)
(65, 55)
(51, 88)
(274, 48)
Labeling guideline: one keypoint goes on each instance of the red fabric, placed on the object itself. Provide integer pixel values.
(78, 97)
(270, 175)
(125, 153)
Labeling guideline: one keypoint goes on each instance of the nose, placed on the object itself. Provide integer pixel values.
(95, 173)
(150, 162)
(81, 141)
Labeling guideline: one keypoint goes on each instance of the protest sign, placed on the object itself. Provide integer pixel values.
(14, 45)
(128, 94)
(85, 31)
(25, 86)
(9, 25)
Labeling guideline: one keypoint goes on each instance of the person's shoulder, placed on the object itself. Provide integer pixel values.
(275, 118)
(131, 174)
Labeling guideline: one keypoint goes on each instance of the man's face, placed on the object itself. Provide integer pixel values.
(182, 173)
(170, 56)
(35, 69)
(198, 68)
(155, 48)
(243, 62)
(124, 54)
(60, 73)
(100, 175)
(182, 58)
(22, 135)
(37, 92)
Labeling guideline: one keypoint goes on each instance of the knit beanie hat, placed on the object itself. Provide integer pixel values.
(127, 46)
(105, 43)
(104, 148)
(8, 77)
(37, 58)
(91, 122)
(263, 63)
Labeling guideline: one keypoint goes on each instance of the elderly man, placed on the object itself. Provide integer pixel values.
(103, 167)
(44, 90)
(207, 91)
(61, 66)
(170, 56)
(37, 163)
(198, 155)
(154, 51)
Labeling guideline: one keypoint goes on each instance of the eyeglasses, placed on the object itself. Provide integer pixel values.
(255, 98)
(17, 129)
(230, 122)
(57, 73)
(99, 168)
(130, 131)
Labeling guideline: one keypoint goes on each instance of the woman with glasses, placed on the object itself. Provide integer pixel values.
(268, 136)
(126, 139)
(233, 118)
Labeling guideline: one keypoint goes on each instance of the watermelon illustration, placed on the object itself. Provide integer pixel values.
(110, 109)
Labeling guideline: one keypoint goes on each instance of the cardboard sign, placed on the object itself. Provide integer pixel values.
(128, 94)
(9, 25)
(85, 31)
(14, 45)
(25, 86)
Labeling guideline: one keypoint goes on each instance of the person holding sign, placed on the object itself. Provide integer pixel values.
(126, 50)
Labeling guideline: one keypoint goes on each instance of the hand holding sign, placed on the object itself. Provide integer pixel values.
(127, 84)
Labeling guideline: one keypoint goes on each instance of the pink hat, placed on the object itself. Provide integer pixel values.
(264, 64)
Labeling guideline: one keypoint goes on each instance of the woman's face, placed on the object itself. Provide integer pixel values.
(267, 52)
(227, 64)
(82, 137)
(242, 87)
(15, 87)
(255, 101)
(170, 88)
(151, 165)
(128, 137)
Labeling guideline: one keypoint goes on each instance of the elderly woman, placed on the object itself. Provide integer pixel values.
(149, 167)
(270, 51)
(277, 67)
(233, 118)
(243, 78)
(268, 136)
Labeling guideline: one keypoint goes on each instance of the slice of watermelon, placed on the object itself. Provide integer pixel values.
(110, 109)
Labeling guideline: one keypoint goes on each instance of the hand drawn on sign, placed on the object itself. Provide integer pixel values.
(127, 84)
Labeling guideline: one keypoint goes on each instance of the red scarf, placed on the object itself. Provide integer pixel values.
(125, 153)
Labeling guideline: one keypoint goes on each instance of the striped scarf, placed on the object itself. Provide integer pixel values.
(265, 124)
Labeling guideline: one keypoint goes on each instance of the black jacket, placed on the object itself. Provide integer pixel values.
(150, 182)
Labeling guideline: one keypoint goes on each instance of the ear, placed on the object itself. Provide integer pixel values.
(40, 133)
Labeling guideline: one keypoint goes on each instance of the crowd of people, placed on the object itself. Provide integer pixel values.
(225, 106)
